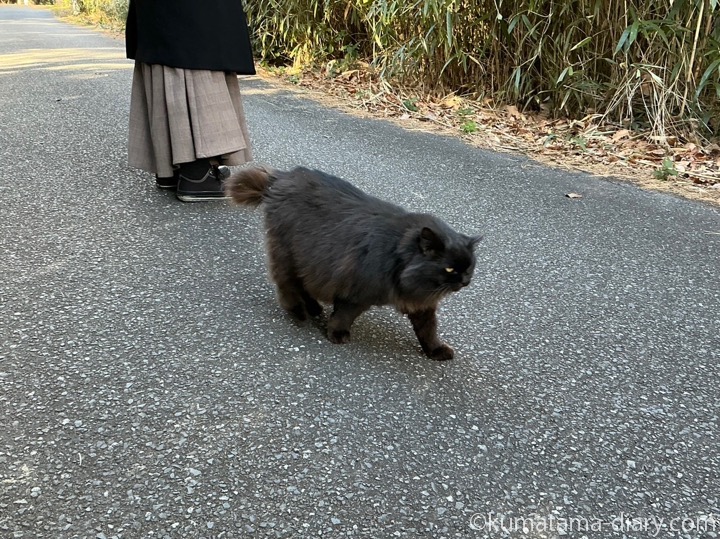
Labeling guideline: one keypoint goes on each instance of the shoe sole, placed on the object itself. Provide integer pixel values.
(200, 198)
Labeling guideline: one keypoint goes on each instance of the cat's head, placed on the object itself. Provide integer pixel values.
(451, 259)
(443, 262)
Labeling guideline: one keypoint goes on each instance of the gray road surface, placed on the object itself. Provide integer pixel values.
(151, 387)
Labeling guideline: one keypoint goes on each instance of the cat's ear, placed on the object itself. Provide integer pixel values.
(474, 240)
(430, 242)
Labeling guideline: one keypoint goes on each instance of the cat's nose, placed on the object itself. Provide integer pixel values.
(463, 283)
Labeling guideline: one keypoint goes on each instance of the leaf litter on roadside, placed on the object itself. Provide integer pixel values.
(587, 144)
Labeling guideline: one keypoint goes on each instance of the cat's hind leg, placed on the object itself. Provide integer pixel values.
(291, 294)
(344, 314)
(425, 325)
(294, 298)
(291, 300)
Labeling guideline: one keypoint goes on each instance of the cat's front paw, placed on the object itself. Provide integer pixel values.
(339, 336)
(441, 353)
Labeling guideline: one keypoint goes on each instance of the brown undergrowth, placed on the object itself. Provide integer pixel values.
(687, 166)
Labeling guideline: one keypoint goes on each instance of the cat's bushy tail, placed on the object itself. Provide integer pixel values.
(248, 186)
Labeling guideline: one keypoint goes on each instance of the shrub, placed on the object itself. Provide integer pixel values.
(651, 63)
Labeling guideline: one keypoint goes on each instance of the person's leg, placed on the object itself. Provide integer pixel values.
(218, 134)
(148, 134)
(169, 182)
(186, 123)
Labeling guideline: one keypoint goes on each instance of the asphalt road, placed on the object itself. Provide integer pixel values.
(150, 386)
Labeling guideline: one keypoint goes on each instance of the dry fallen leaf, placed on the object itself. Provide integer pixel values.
(451, 102)
(665, 140)
(607, 148)
(513, 111)
(619, 135)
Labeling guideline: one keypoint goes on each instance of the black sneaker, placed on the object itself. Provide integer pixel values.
(171, 182)
(167, 183)
(209, 187)
(222, 171)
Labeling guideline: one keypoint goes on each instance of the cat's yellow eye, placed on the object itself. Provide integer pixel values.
(450, 270)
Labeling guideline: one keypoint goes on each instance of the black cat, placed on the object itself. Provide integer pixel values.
(330, 242)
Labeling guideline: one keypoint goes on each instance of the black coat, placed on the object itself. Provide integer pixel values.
(190, 34)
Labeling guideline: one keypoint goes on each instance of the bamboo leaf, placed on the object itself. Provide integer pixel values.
(474, 60)
(513, 23)
(526, 21)
(565, 100)
(633, 33)
(582, 43)
(449, 29)
(621, 42)
(655, 77)
(713, 67)
(562, 75)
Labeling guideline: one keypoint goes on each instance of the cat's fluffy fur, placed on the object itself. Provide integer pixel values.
(330, 242)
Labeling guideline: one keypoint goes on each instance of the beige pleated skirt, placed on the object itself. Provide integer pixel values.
(180, 115)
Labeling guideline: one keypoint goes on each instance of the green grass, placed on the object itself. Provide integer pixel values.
(468, 127)
(667, 170)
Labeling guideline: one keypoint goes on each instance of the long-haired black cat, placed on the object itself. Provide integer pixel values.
(330, 242)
